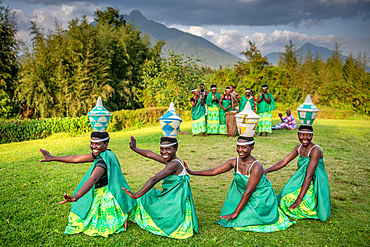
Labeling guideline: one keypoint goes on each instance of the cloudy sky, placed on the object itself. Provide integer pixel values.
(229, 24)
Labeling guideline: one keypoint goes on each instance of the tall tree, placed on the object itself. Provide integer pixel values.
(8, 59)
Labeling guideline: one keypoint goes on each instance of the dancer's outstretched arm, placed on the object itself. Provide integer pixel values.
(146, 153)
(66, 159)
(227, 166)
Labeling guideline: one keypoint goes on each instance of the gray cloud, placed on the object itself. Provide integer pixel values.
(238, 12)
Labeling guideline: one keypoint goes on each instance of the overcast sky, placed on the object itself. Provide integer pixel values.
(229, 24)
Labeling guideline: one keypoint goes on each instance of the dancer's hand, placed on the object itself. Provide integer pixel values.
(68, 198)
(132, 195)
(47, 156)
(230, 216)
(187, 168)
(297, 202)
(133, 143)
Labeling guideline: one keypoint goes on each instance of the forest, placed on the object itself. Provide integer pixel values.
(63, 71)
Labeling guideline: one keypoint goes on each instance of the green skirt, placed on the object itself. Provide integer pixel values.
(105, 216)
(307, 208)
(282, 224)
(213, 120)
(199, 125)
(264, 124)
(142, 218)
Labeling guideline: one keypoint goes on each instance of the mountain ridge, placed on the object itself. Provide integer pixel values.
(183, 43)
(323, 52)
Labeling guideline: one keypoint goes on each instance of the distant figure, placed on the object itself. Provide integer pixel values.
(248, 96)
(198, 111)
(204, 93)
(213, 117)
(265, 104)
(226, 104)
(287, 122)
(235, 96)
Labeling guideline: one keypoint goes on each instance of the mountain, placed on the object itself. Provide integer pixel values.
(183, 43)
(323, 52)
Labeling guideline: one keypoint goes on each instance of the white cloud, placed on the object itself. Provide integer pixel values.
(46, 16)
(235, 42)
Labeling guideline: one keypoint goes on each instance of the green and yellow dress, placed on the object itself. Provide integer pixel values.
(264, 111)
(199, 119)
(213, 116)
(261, 213)
(316, 202)
(226, 102)
(170, 212)
(243, 101)
(102, 211)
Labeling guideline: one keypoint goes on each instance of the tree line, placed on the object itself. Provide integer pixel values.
(64, 70)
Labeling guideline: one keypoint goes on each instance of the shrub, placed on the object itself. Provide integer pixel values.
(23, 130)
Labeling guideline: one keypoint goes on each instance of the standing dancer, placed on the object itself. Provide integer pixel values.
(248, 97)
(169, 212)
(99, 206)
(213, 116)
(198, 111)
(265, 104)
(226, 104)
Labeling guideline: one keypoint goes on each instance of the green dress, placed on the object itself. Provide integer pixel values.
(261, 213)
(244, 101)
(102, 211)
(169, 212)
(264, 111)
(199, 120)
(227, 104)
(213, 115)
(316, 202)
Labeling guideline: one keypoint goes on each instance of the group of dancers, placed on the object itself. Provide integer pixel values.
(103, 202)
(209, 108)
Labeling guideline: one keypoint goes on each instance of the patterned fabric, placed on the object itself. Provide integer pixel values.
(307, 209)
(105, 216)
(264, 124)
(223, 129)
(282, 224)
(199, 125)
(213, 121)
(142, 218)
(289, 122)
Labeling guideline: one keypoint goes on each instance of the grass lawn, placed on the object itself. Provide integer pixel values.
(30, 213)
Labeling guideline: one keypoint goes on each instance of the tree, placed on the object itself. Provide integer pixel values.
(172, 81)
(8, 59)
(67, 69)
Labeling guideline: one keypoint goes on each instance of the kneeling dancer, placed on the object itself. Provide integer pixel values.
(99, 206)
(170, 212)
(306, 195)
(251, 203)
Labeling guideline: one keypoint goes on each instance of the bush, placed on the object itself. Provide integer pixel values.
(23, 130)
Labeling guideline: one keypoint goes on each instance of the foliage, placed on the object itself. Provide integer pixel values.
(8, 59)
(22, 130)
(67, 69)
(172, 81)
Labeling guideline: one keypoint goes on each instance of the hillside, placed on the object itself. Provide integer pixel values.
(183, 43)
(323, 52)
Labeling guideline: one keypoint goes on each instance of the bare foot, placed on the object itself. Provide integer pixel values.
(125, 225)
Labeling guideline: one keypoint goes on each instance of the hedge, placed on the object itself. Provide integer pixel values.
(23, 130)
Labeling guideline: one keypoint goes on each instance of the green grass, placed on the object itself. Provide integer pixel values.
(30, 191)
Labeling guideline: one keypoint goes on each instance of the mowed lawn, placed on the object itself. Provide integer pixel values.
(30, 191)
